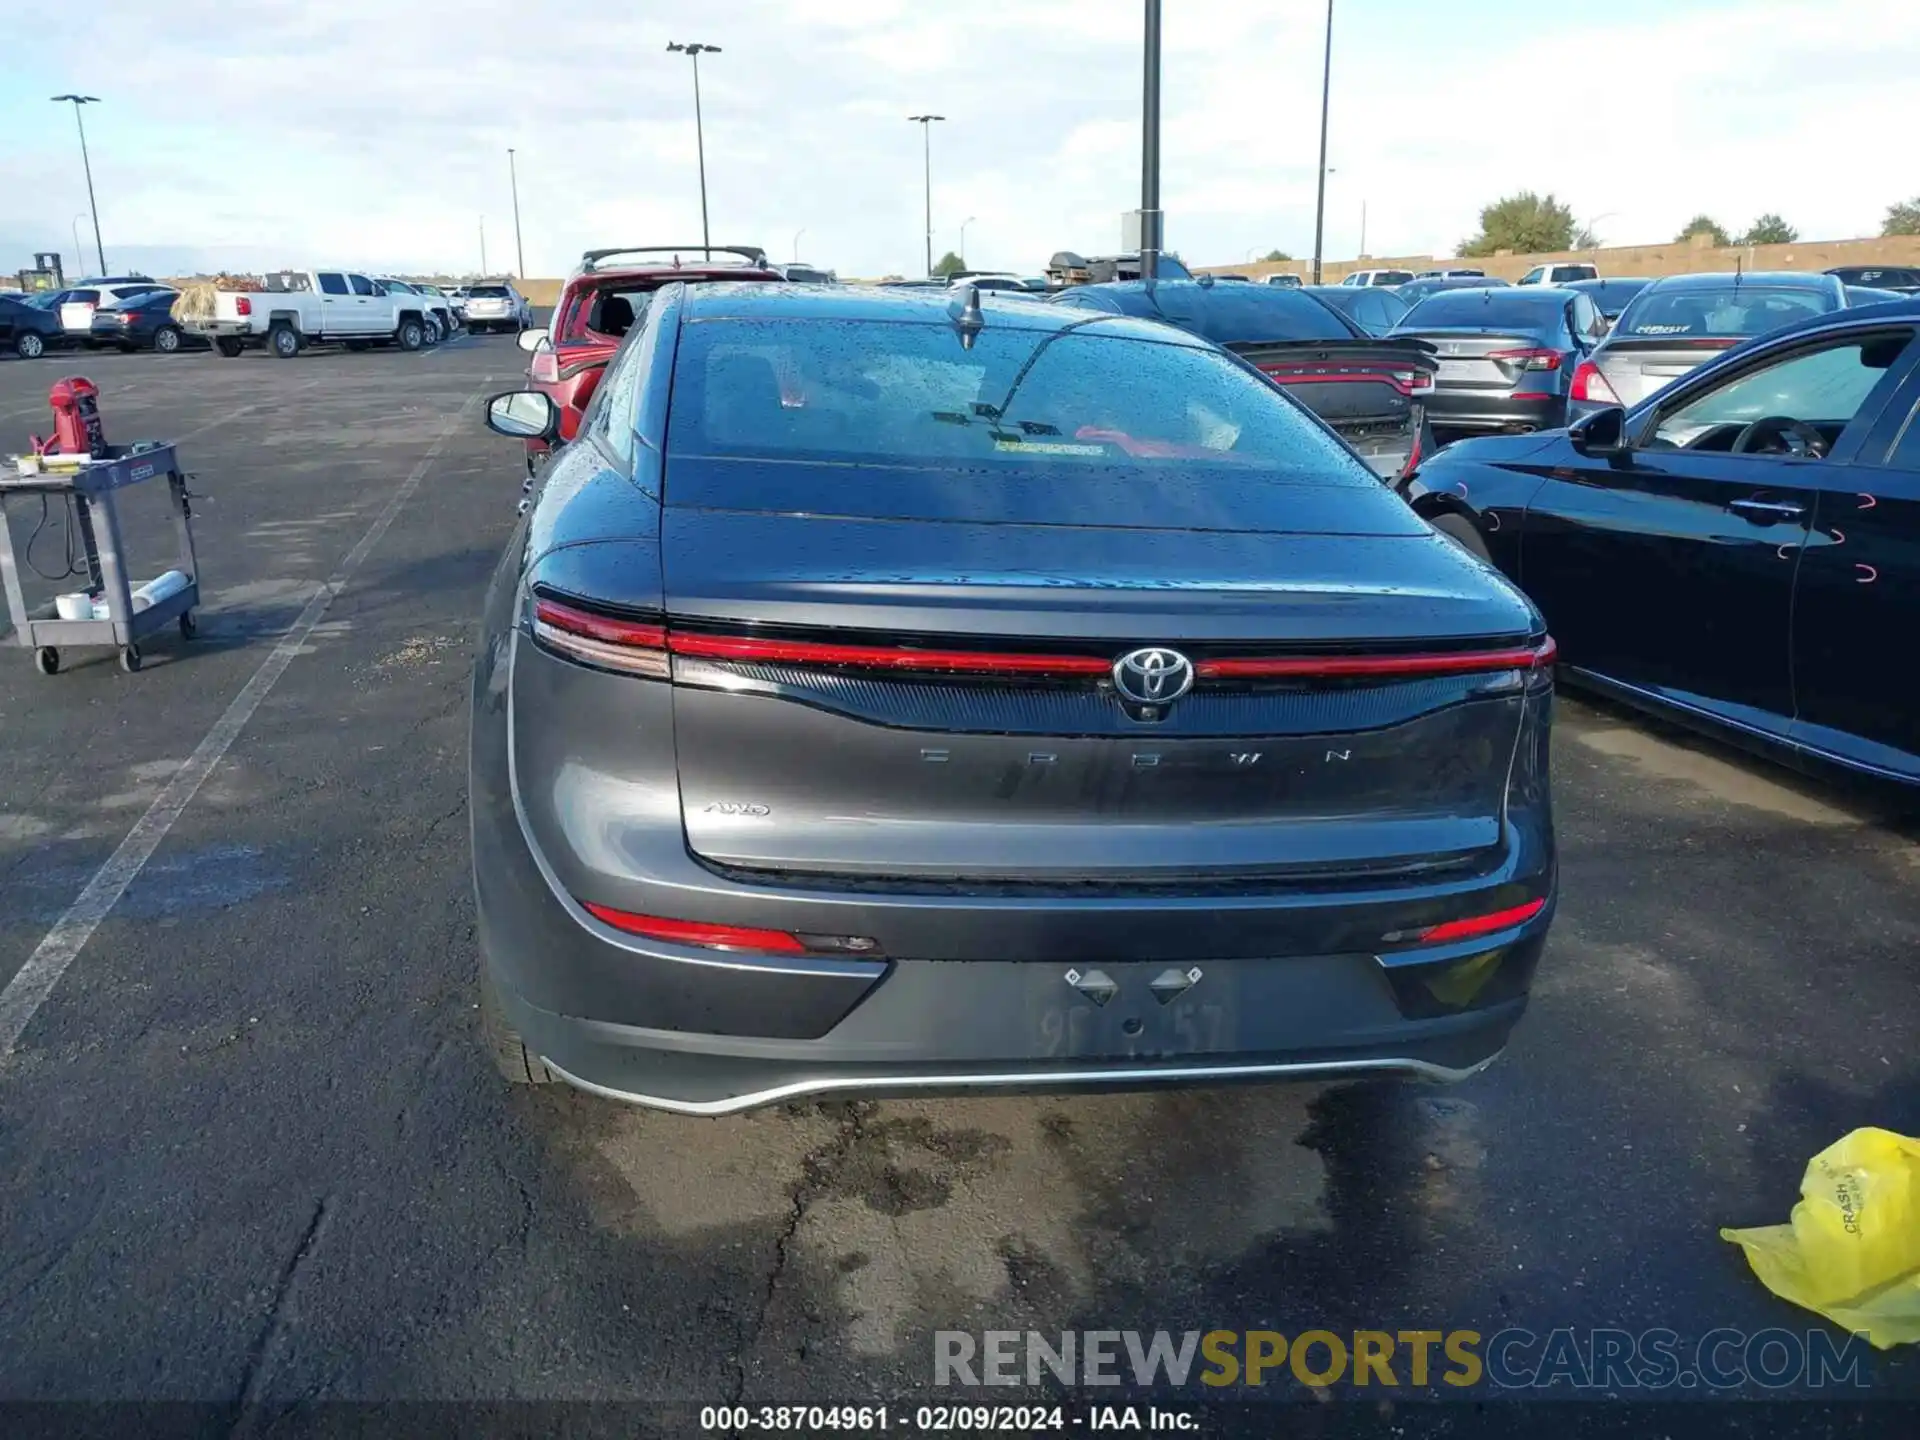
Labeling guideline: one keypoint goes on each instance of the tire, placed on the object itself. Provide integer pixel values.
(516, 1064)
(410, 334)
(47, 660)
(167, 340)
(130, 658)
(432, 324)
(1464, 533)
(189, 627)
(227, 348)
(283, 340)
(28, 345)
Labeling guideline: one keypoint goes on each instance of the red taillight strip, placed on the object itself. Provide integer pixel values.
(697, 933)
(886, 657)
(1465, 662)
(641, 647)
(1420, 385)
(1481, 924)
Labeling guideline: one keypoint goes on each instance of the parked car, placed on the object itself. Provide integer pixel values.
(301, 307)
(1286, 280)
(1563, 274)
(797, 274)
(989, 281)
(1507, 355)
(457, 297)
(1741, 549)
(1066, 268)
(78, 304)
(452, 316)
(996, 696)
(1414, 291)
(1610, 296)
(433, 306)
(1378, 277)
(1449, 272)
(497, 305)
(1902, 278)
(599, 305)
(1678, 322)
(29, 330)
(1370, 391)
(140, 322)
(1375, 310)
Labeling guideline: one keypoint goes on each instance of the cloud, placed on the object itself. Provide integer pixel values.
(376, 134)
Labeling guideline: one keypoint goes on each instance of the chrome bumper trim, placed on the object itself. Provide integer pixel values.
(1305, 1070)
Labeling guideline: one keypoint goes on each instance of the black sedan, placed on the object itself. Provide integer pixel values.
(29, 330)
(140, 322)
(1741, 549)
(889, 692)
(1611, 294)
(1507, 356)
(1374, 308)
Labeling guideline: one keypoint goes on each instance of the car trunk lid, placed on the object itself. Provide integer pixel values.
(936, 697)
(1637, 367)
(1370, 392)
(1477, 360)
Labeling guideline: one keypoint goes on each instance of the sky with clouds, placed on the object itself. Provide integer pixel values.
(375, 132)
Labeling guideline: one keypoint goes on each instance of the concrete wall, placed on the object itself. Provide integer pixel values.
(1650, 260)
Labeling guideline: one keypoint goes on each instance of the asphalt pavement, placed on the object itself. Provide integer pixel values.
(251, 1153)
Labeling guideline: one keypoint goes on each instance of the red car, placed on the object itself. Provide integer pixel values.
(599, 304)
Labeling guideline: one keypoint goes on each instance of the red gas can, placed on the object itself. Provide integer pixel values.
(76, 418)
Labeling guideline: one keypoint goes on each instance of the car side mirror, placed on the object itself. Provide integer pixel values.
(531, 340)
(1601, 433)
(523, 415)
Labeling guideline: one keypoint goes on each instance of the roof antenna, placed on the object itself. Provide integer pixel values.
(968, 322)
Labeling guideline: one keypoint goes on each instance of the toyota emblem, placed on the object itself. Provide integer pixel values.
(1152, 676)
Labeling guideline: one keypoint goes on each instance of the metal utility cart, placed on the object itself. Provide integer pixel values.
(91, 485)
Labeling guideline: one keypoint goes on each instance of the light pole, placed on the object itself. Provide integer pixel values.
(483, 247)
(1150, 236)
(513, 178)
(796, 243)
(99, 250)
(963, 238)
(1320, 202)
(73, 226)
(1592, 234)
(925, 122)
(693, 52)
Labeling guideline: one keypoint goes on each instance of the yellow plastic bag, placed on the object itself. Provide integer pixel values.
(1852, 1248)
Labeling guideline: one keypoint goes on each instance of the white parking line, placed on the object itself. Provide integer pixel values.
(29, 989)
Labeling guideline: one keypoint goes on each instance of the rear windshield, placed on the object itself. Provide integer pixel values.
(1503, 308)
(489, 292)
(909, 394)
(607, 313)
(1746, 310)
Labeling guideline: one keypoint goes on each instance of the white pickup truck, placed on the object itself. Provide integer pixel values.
(305, 307)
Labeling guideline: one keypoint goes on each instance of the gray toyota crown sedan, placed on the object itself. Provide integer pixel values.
(894, 691)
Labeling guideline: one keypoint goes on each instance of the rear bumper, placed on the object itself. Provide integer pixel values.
(1276, 986)
(1481, 410)
(220, 329)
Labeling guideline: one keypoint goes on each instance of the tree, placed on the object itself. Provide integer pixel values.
(949, 263)
(1273, 256)
(1702, 225)
(1770, 229)
(1586, 238)
(1524, 223)
(1902, 219)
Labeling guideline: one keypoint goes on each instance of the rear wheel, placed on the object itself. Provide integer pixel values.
(410, 334)
(284, 341)
(166, 339)
(517, 1064)
(1463, 532)
(227, 349)
(29, 346)
(434, 335)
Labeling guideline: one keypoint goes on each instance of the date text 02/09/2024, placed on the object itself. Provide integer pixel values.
(943, 1419)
